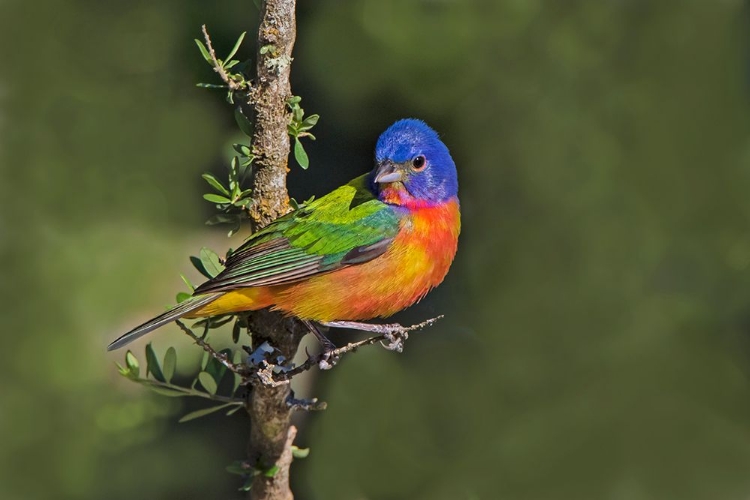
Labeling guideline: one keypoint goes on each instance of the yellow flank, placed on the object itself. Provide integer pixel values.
(243, 299)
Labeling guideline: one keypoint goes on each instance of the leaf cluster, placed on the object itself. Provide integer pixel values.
(299, 127)
(206, 384)
(232, 70)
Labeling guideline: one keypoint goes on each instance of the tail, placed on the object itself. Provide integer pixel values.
(175, 313)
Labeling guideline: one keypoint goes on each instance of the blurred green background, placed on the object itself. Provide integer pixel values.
(596, 342)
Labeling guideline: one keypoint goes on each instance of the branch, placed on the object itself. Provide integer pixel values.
(189, 392)
(217, 65)
(271, 430)
(220, 357)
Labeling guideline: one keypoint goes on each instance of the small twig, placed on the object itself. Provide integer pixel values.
(218, 356)
(394, 333)
(218, 67)
(189, 392)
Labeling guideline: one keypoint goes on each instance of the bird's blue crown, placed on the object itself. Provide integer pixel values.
(405, 141)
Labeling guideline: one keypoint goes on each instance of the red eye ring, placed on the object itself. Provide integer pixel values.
(419, 163)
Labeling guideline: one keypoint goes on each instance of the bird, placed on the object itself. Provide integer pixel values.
(366, 250)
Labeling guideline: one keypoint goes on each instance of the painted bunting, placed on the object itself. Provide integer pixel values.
(367, 249)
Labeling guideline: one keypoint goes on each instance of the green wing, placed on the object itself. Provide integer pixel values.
(346, 227)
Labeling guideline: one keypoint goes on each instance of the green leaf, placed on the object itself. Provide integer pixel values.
(231, 64)
(238, 467)
(210, 262)
(208, 382)
(214, 183)
(295, 99)
(300, 452)
(204, 51)
(309, 122)
(236, 45)
(167, 392)
(233, 411)
(272, 471)
(205, 411)
(298, 113)
(245, 126)
(199, 266)
(132, 363)
(182, 297)
(301, 155)
(215, 368)
(211, 86)
(236, 332)
(204, 361)
(242, 149)
(152, 364)
(223, 219)
(187, 282)
(215, 198)
(170, 364)
(125, 372)
(248, 484)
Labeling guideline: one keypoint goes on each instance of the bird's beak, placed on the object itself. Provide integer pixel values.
(388, 172)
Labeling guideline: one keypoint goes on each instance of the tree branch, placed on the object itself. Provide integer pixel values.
(271, 432)
(268, 97)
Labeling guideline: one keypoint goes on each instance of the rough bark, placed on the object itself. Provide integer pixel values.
(271, 432)
(269, 94)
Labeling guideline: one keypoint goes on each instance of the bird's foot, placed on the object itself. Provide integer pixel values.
(329, 356)
(393, 334)
(395, 339)
(328, 359)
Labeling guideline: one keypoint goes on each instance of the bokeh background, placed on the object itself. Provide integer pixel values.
(596, 342)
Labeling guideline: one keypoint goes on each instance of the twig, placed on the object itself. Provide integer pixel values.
(218, 67)
(394, 333)
(218, 356)
(189, 392)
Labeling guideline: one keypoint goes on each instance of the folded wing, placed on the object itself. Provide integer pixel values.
(347, 227)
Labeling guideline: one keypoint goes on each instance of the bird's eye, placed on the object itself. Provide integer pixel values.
(418, 163)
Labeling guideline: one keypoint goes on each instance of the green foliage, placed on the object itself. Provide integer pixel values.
(232, 200)
(247, 471)
(159, 377)
(238, 80)
(300, 127)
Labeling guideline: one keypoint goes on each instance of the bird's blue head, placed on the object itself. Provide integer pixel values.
(411, 157)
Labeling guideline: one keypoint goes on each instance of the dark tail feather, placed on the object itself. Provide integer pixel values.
(176, 312)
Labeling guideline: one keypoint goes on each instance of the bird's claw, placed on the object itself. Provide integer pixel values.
(328, 359)
(395, 340)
